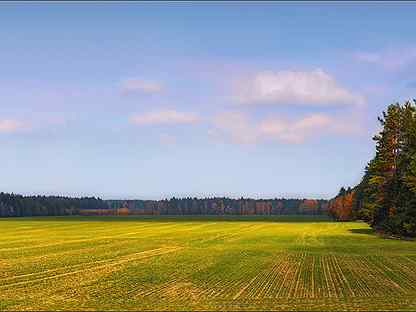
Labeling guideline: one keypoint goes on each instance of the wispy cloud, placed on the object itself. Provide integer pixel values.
(296, 131)
(238, 128)
(131, 86)
(167, 139)
(235, 127)
(309, 88)
(165, 117)
(11, 126)
(389, 59)
(368, 57)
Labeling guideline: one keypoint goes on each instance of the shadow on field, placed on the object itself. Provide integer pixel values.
(362, 231)
(185, 218)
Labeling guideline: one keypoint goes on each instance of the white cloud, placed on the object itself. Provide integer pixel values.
(141, 86)
(10, 126)
(165, 117)
(238, 128)
(313, 88)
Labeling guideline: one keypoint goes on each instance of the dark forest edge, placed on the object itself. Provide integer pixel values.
(12, 205)
(386, 196)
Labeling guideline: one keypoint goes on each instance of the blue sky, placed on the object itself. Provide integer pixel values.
(152, 100)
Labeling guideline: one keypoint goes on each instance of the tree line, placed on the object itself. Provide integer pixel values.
(386, 194)
(13, 205)
(220, 206)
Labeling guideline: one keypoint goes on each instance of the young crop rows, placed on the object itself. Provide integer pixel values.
(201, 265)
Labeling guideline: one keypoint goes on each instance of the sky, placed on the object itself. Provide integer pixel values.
(154, 100)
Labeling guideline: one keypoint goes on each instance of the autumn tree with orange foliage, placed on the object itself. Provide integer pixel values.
(341, 207)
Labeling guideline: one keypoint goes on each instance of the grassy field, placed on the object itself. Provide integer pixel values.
(127, 263)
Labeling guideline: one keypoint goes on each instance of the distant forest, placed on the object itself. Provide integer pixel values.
(221, 206)
(12, 205)
(386, 195)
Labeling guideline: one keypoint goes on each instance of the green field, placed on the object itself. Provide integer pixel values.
(212, 263)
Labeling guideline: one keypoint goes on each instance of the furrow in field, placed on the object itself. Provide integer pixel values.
(101, 264)
(376, 279)
(156, 289)
(261, 279)
(313, 269)
(320, 281)
(334, 277)
(295, 280)
(375, 282)
(226, 289)
(281, 280)
(288, 280)
(245, 231)
(82, 240)
(344, 284)
(397, 280)
(270, 281)
(231, 236)
(64, 257)
(406, 274)
(331, 289)
(276, 278)
(358, 272)
(284, 273)
(280, 277)
(171, 291)
(305, 284)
